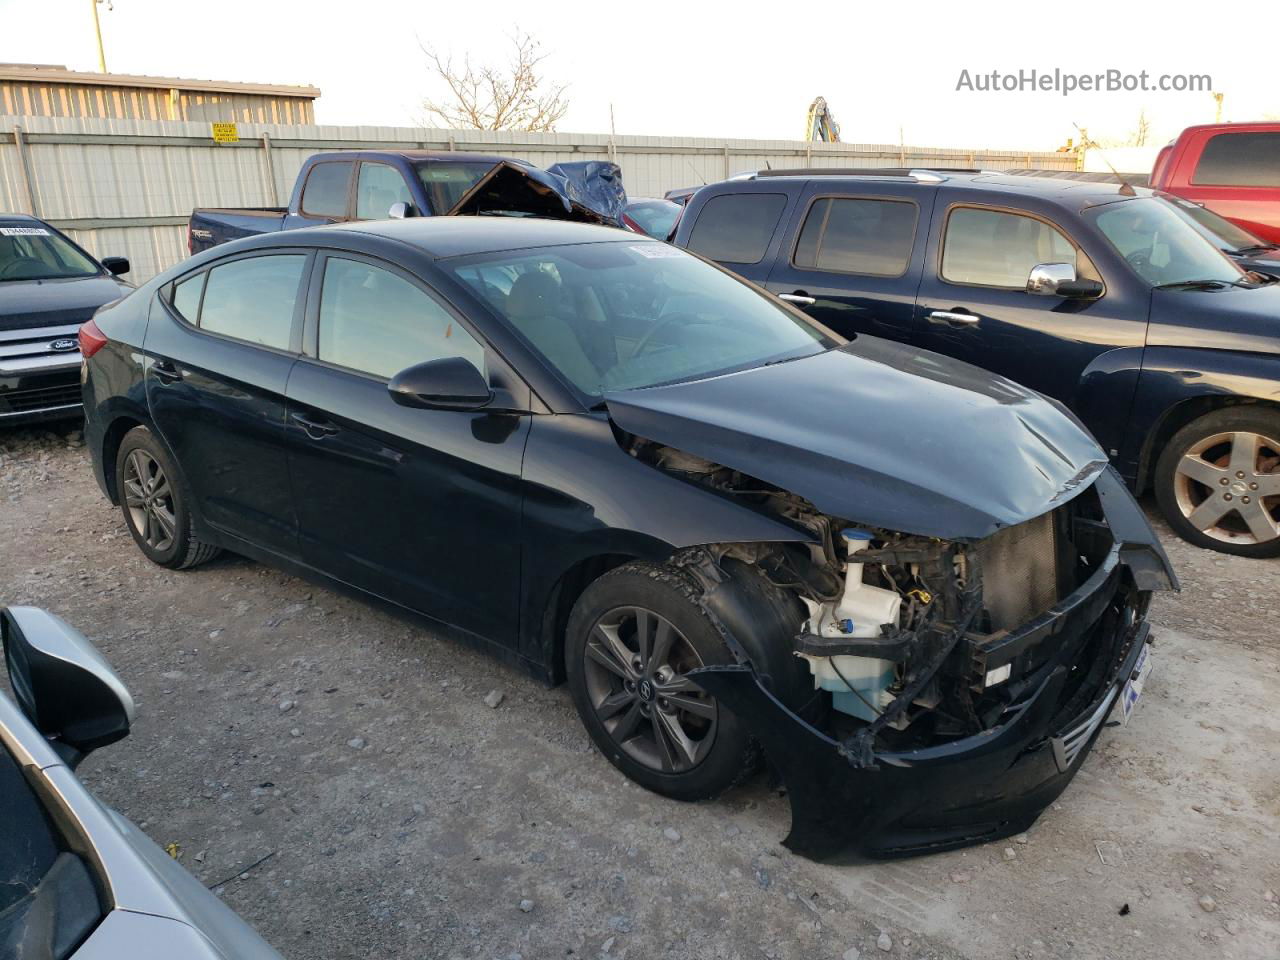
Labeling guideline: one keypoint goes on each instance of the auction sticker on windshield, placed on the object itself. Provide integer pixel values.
(656, 251)
(1133, 686)
(23, 232)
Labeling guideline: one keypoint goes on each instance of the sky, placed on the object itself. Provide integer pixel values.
(888, 71)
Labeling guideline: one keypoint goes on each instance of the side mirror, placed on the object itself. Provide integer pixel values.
(400, 210)
(1059, 280)
(116, 265)
(451, 383)
(62, 683)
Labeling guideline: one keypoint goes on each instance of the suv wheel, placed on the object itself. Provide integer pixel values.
(156, 503)
(1218, 482)
(632, 637)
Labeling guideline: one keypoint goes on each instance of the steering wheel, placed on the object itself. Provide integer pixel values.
(1139, 259)
(8, 268)
(662, 322)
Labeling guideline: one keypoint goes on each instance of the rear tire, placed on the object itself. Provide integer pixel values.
(662, 732)
(156, 503)
(1218, 482)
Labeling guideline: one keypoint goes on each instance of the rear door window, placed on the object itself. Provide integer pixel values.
(253, 299)
(737, 227)
(378, 186)
(325, 192)
(858, 235)
(1240, 160)
(377, 322)
(989, 248)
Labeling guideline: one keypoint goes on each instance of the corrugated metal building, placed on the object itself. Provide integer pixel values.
(35, 90)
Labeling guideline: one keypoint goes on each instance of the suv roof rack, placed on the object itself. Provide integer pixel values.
(919, 174)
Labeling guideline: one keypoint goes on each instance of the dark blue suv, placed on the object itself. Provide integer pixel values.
(1099, 295)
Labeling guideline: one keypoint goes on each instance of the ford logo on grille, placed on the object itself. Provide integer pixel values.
(63, 345)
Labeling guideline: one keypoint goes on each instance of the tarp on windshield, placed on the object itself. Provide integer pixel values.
(589, 192)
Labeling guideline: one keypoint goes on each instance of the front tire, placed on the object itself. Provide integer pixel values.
(1218, 482)
(632, 636)
(156, 503)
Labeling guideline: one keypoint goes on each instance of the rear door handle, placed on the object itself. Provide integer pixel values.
(316, 429)
(166, 372)
(947, 317)
(798, 298)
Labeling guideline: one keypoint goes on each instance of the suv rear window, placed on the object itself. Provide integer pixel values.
(1240, 160)
(737, 227)
(325, 192)
(857, 235)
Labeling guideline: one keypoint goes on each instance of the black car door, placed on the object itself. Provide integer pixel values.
(219, 349)
(974, 305)
(852, 260)
(421, 507)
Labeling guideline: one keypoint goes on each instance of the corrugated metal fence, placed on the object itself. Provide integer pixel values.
(126, 187)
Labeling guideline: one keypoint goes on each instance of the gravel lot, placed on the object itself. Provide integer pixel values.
(401, 815)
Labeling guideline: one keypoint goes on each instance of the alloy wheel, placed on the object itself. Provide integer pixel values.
(149, 500)
(1228, 487)
(635, 664)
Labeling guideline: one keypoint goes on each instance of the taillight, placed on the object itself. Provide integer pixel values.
(91, 339)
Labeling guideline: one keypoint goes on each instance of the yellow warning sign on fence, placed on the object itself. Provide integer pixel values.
(225, 133)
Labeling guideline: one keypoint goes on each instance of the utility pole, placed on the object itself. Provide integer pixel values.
(97, 29)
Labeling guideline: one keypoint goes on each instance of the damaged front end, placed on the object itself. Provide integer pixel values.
(944, 691)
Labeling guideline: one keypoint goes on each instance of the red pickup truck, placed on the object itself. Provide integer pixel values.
(1231, 168)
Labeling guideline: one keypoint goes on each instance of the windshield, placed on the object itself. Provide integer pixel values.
(654, 217)
(616, 316)
(447, 180)
(1160, 245)
(1218, 230)
(37, 253)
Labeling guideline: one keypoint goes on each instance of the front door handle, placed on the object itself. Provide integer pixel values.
(798, 298)
(949, 318)
(166, 372)
(315, 429)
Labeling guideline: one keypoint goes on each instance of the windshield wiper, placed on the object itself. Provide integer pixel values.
(1200, 284)
(1256, 248)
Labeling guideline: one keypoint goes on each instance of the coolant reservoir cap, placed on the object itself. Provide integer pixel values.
(854, 533)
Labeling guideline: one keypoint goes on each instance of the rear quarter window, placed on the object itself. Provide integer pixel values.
(1240, 160)
(737, 227)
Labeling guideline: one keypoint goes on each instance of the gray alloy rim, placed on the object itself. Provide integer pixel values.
(635, 664)
(149, 500)
(1228, 487)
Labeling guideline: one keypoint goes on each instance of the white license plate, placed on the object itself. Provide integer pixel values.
(1133, 685)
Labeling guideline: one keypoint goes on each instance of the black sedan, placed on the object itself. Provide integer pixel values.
(916, 587)
(48, 287)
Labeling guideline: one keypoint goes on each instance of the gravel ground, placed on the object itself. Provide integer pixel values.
(402, 814)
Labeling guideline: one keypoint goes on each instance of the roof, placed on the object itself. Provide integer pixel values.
(443, 237)
(36, 73)
(1049, 188)
(409, 154)
(24, 217)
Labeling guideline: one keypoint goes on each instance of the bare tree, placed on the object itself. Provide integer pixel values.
(486, 97)
(1139, 136)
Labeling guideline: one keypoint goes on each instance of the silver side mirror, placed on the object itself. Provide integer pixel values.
(400, 210)
(1046, 278)
(62, 683)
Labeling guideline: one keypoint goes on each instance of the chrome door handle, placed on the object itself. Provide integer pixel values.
(945, 316)
(799, 298)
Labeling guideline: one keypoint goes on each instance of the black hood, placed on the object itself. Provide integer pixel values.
(881, 435)
(1221, 318)
(589, 192)
(48, 303)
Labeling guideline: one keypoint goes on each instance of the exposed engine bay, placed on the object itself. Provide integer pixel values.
(899, 640)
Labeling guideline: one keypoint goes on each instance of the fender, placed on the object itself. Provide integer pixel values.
(629, 511)
(1104, 396)
(1181, 383)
